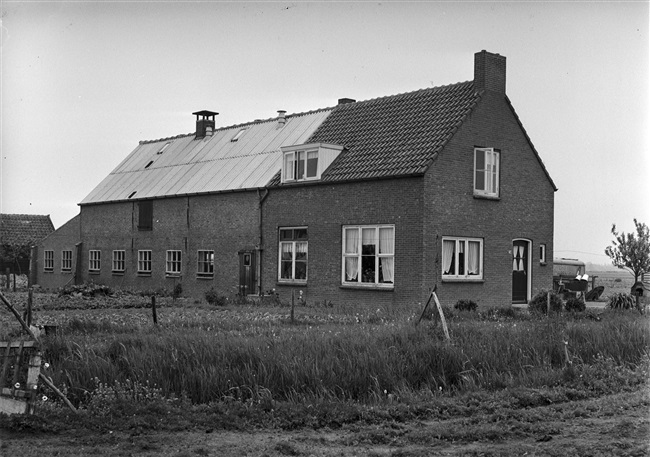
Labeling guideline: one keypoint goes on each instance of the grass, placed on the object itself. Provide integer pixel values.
(234, 367)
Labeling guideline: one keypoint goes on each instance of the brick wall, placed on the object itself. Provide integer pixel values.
(324, 209)
(524, 210)
(64, 238)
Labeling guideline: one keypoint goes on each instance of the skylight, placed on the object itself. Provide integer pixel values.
(164, 147)
(238, 134)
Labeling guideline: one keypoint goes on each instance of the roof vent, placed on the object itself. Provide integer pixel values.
(345, 101)
(281, 118)
(204, 123)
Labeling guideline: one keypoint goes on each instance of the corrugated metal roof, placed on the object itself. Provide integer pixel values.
(213, 164)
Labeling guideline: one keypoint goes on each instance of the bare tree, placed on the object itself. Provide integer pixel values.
(631, 251)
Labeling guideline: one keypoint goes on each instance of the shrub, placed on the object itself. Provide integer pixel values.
(213, 297)
(178, 290)
(538, 304)
(466, 305)
(86, 290)
(575, 304)
(621, 301)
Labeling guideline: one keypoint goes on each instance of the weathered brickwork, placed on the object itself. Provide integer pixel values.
(524, 209)
(324, 210)
(65, 238)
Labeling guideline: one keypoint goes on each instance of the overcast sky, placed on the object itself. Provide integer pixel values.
(83, 82)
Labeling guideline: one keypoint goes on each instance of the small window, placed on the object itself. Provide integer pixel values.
(486, 172)
(66, 261)
(369, 255)
(293, 247)
(205, 266)
(144, 263)
(94, 261)
(542, 254)
(173, 263)
(462, 258)
(149, 164)
(48, 261)
(145, 215)
(163, 148)
(118, 264)
(238, 134)
(300, 165)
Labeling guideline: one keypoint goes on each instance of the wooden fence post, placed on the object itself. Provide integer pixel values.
(153, 309)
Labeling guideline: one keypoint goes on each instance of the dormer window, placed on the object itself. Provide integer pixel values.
(307, 162)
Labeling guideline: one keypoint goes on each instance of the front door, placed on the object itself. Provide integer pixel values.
(247, 273)
(520, 271)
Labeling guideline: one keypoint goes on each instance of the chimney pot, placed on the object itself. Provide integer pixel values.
(489, 72)
(204, 123)
(281, 118)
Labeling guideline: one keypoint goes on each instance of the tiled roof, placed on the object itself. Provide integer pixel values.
(23, 229)
(396, 135)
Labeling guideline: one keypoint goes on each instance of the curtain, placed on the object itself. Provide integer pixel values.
(447, 256)
(351, 247)
(473, 258)
(386, 238)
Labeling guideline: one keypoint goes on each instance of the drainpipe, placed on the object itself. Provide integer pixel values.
(260, 242)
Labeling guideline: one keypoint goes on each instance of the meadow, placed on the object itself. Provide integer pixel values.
(244, 367)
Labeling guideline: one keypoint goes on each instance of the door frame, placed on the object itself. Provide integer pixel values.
(529, 268)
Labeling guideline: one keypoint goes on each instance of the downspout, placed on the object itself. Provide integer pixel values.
(260, 243)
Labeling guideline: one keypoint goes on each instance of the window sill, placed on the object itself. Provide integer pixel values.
(48, 271)
(172, 275)
(205, 277)
(285, 282)
(486, 197)
(543, 264)
(93, 272)
(377, 287)
(117, 273)
(477, 280)
(144, 274)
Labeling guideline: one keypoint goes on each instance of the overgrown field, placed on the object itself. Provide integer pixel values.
(254, 366)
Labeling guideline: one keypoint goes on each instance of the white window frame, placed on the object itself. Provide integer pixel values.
(291, 161)
(94, 261)
(144, 262)
(490, 174)
(66, 260)
(358, 255)
(461, 246)
(118, 261)
(173, 262)
(542, 253)
(48, 260)
(293, 244)
(205, 263)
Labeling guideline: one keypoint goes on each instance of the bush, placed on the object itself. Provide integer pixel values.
(213, 297)
(538, 304)
(621, 301)
(466, 305)
(86, 290)
(575, 305)
(178, 290)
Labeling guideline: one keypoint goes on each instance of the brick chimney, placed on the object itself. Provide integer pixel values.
(204, 123)
(489, 72)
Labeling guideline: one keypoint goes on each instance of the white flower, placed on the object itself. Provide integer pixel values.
(17, 386)
(47, 365)
(44, 397)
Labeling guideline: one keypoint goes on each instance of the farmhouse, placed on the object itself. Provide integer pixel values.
(368, 202)
(18, 233)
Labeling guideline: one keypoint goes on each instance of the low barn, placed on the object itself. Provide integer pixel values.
(18, 233)
(368, 202)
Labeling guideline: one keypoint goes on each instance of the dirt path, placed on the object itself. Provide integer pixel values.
(613, 425)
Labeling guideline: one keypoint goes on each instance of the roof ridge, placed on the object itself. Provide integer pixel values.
(424, 89)
(243, 124)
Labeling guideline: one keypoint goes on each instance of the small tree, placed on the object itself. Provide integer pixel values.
(631, 251)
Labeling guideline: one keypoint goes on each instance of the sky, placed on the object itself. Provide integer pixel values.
(83, 82)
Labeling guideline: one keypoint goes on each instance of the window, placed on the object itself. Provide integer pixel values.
(486, 172)
(369, 255)
(542, 254)
(48, 261)
(118, 265)
(462, 258)
(144, 263)
(145, 215)
(173, 264)
(238, 134)
(163, 148)
(205, 267)
(66, 260)
(94, 261)
(293, 254)
(300, 165)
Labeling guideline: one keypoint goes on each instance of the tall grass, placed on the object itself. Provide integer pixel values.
(358, 362)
